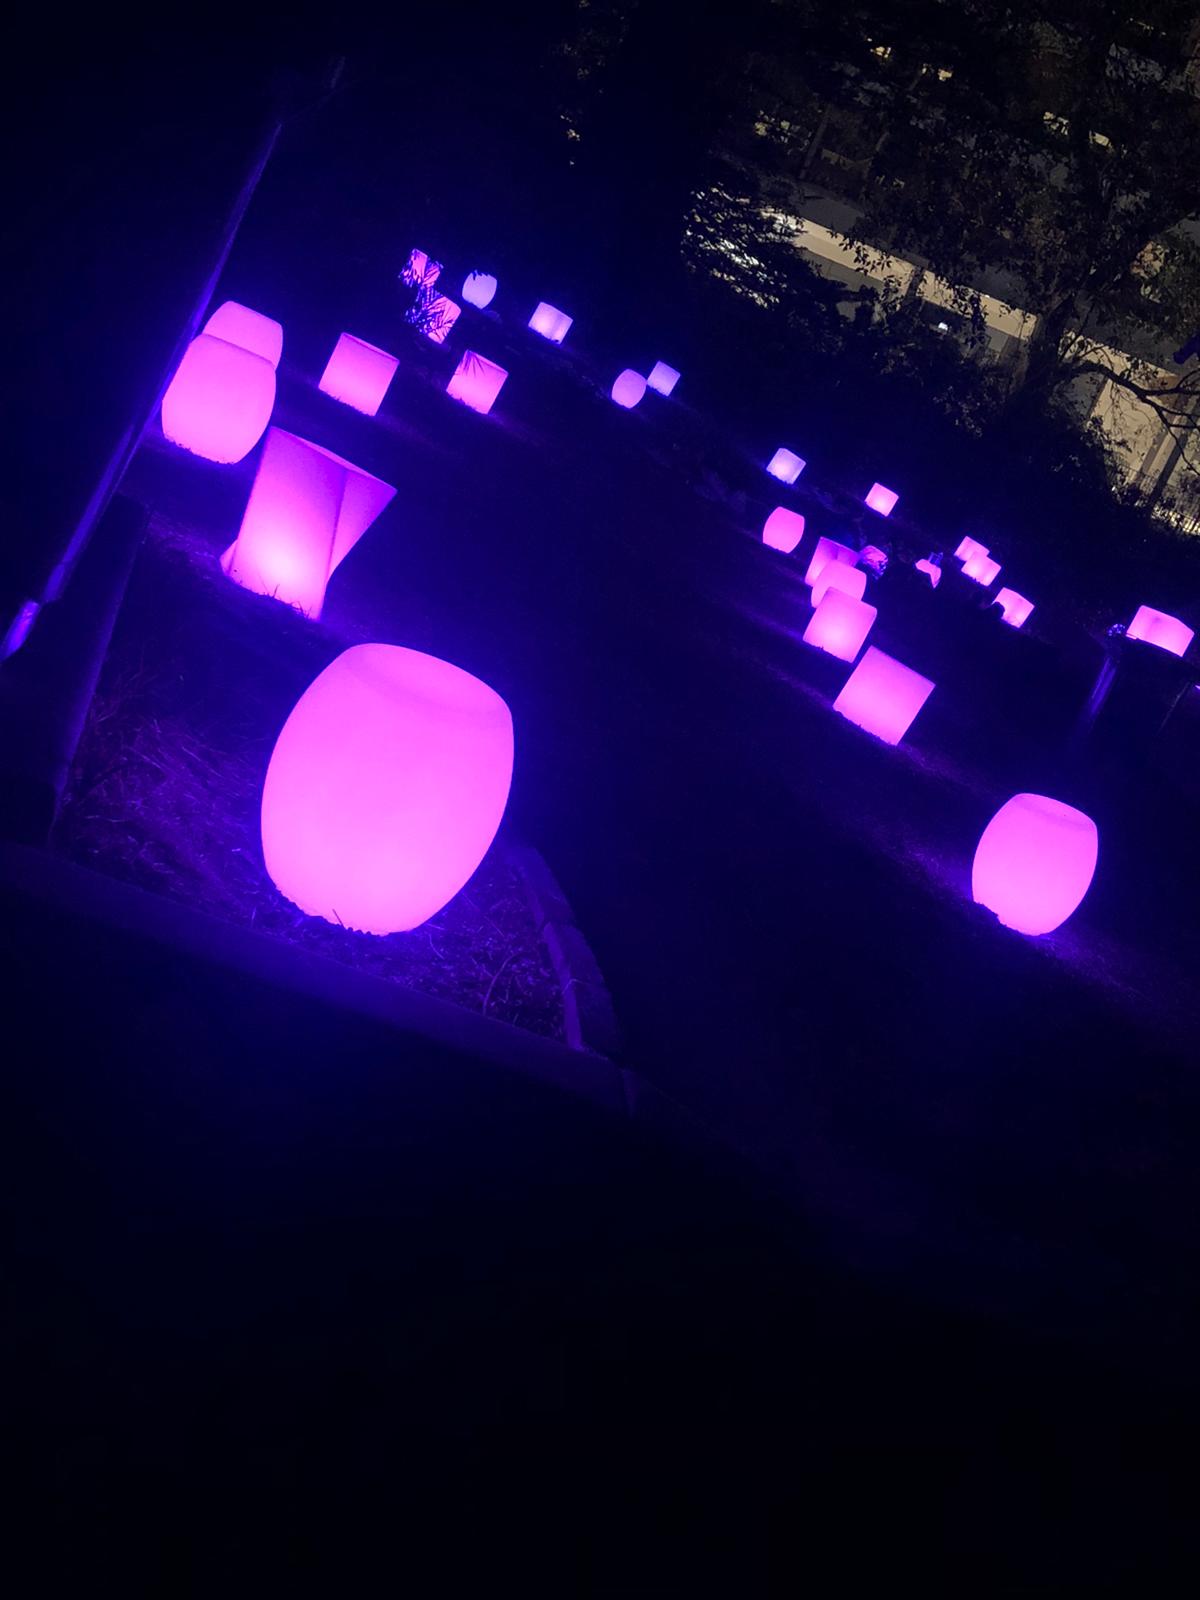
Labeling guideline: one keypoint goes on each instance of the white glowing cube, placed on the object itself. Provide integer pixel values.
(840, 625)
(1161, 629)
(882, 500)
(1014, 608)
(438, 316)
(358, 374)
(476, 382)
(783, 529)
(479, 289)
(238, 324)
(419, 272)
(551, 323)
(662, 378)
(308, 508)
(829, 550)
(981, 569)
(629, 388)
(1035, 862)
(882, 696)
(837, 575)
(968, 548)
(220, 400)
(385, 788)
(931, 571)
(785, 466)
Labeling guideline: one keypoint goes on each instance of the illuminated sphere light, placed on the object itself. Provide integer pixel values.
(1034, 863)
(662, 378)
(438, 315)
(358, 374)
(882, 696)
(881, 499)
(783, 529)
(981, 569)
(968, 548)
(837, 575)
(308, 508)
(238, 324)
(629, 388)
(931, 570)
(1014, 608)
(785, 465)
(551, 323)
(829, 550)
(1161, 629)
(419, 272)
(476, 381)
(220, 400)
(385, 788)
(840, 624)
(479, 289)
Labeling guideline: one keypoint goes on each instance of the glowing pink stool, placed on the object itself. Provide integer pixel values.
(385, 788)
(882, 696)
(968, 548)
(551, 323)
(238, 324)
(307, 510)
(476, 382)
(419, 272)
(785, 465)
(1035, 862)
(829, 550)
(981, 569)
(358, 374)
(931, 570)
(1014, 608)
(783, 530)
(837, 575)
(479, 289)
(882, 500)
(629, 388)
(662, 378)
(220, 400)
(1161, 629)
(840, 625)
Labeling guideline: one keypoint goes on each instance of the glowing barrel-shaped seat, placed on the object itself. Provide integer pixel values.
(220, 400)
(1035, 862)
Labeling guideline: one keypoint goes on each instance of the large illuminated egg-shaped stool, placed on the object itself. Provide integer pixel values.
(840, 624)
(385, 788)
(629, 388)
(220, 400)
(882, 696)
(828, 550)
(783, 529)
(479, 290)
(358, 374)
(786, 465)
(1161, 629)
(1035, 863)
(550, 322)
(662, 378)
(238, 324)
(837, 575)
(476, 382)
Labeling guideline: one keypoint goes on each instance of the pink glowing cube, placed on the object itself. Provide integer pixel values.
(438, 317)
(881, 499)
(1035, 862)
(1161, 629)
(829, 550)
(837, 575)
(551, 323)
(883, 696)
(237, 324)
(220, 400)
(385, 788)
(1014, 608)
(981, 569)
(419, 272)
(783, 529)
(785, 466)
(968, 548)
(358, 374)
(629, 388)
(476, 382)
(931, 571)
(479, 289)
(662, 378)
(308, 508)
(840, 624)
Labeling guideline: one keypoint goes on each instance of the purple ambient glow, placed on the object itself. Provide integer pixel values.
(968, 548)
(881, 499)
(239, 325)
(837, 575)
(629, 388)
(479, 289)
(1161, 629)
(662, 378)
(883, 696)
(980, 568)
(551, 323)
(840, 625)
(385, 788)
(1034, 863)
(783, 530)
(1014, 608)
(931, 571)
(419, 272)
(306, 511)
(476, 381)
(358, 374)
(785, 466)
(829, 550)
(439, 316)
(220, 400)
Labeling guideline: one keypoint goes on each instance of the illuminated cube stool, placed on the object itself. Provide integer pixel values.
(358, 374)
(551, 323)
(629, 388)
(308, 508)
(783, 529)
(419, 272)
(837, 575)
(220, 400)
(829, 550)
(968, 548)
(1161, 629)
(436, 316)
(1014, 608)
(385, 788)
(479, 289)
(1035, 863)
(785, 466)
(931, 571)
(662, 378)
(840, 625)
(883, 696)
(981, 569)
(882, 500)
(238, 324)
(476, 382)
